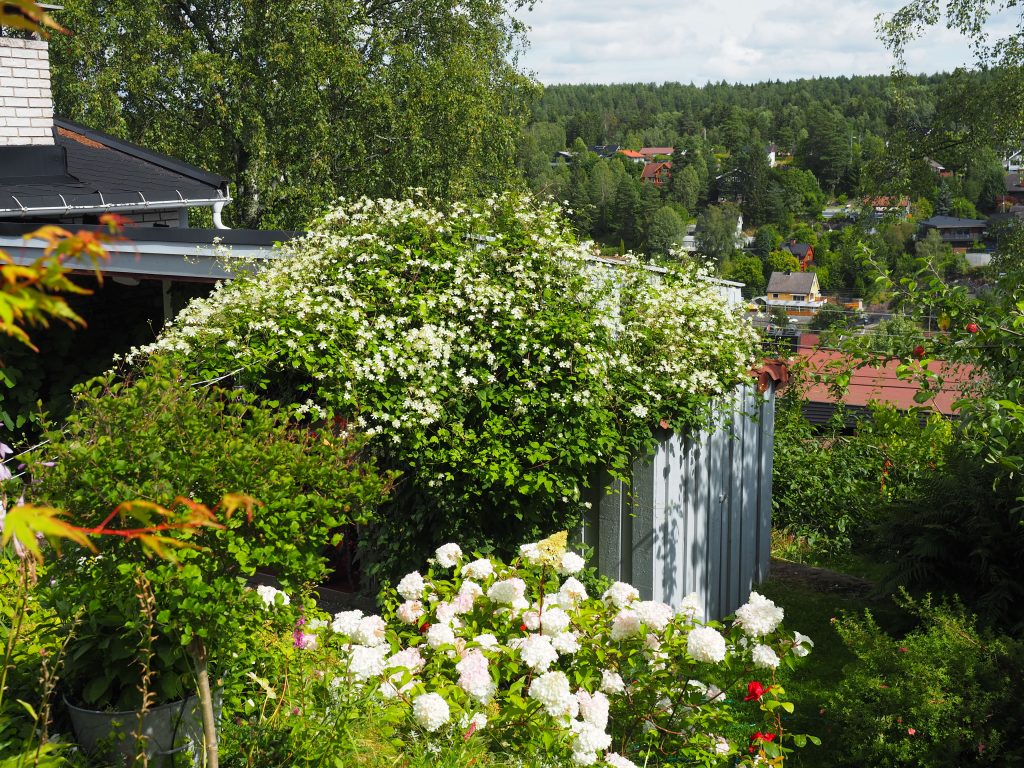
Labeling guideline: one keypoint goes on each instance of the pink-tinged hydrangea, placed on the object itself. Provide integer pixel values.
(462, 603)
(448, 555)
(430, 711)
(366, 661)
(611, 682)
(760, 616)
(538, 653)
(345, 623)
(410, 611)
(411, 586)
(571, 593)
(802, 644)
(445, 613)
(507, 591)
(625, 624)
(615, 760)
(440, 634)
(570, 563)
(714, 695)
(763, 656)
(478, 569)
(478, 721)
(691, 608)
(706, 644)
(621, 594)
(566, 643)
(554, 621)
(654, 614)
(722, 746)
(486, 641)
(370, 631)
(652, 642)
(474, 677)
(552, 691)
(471, 589)
(593, 708)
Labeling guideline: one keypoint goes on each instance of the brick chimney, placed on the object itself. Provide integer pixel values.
(26, 105)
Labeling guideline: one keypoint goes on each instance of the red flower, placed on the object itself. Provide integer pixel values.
(763, 737)
(424, 627)
(918, 352)
(903, 649)
(911, 731)
(755, 691)
(972, 328)
(522, 628)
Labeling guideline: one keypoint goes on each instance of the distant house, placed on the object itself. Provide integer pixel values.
(804, 253)
(1012, 162)
(959, 233)
(797, 293)
(1014, 188)
(606, 151)
(657, 174)
(632, 154)
(561, 157)
(650, 153)
(889, 206)
(937, 168)
(772, 155)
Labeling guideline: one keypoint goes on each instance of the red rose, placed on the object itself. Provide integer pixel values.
(972, 328)
(755, 691)
(918, 352)
(424, 627)
(522, 628)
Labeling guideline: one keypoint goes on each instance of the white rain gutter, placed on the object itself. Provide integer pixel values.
(181, 202)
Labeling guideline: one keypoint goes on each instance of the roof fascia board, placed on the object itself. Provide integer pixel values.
(160, 205)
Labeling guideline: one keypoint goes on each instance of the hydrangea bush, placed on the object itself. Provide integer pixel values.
(521, 657)
(495, 362)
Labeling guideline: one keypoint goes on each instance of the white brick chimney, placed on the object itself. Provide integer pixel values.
(26, 105)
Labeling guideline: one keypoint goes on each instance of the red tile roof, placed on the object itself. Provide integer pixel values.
(631, 154)
(652, 151)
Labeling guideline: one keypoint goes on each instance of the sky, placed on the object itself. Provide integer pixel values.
(700, 41)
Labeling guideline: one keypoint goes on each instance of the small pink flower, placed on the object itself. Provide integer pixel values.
(911, 731)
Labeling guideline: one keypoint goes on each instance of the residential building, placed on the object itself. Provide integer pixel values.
(633, 155)
(804, 253)
(959, 233)
(652, 153)
(797, 293)
(657, 174)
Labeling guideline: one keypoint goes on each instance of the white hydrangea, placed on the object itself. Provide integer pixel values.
(487, 641)
(531, 620)
(620, 594)
(706, 644)
(593, 708)
(571, 592)
(479, 721)
(269, 595)
(566, 643)
(410, 659)
(471, 589)
(554, 621)
(531, 553)
(611, 682)
(722, 746)
(440, 634)
(552, 690)
(411, 586)
(759, 616)
(370, 631)
(448, 555)
(410, 611)
(570, 563)
(654, 614)
(538, 653)
(802, 644)
(478, 569)
(691, 607)
(763, 656)
(345, 623)
(507, 591)
(366, 661)
(430, 711)
(615, 760)
(589, 740)
(625, 624)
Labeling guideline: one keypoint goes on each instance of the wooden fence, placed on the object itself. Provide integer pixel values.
(697, 515)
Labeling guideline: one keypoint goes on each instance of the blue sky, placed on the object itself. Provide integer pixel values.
(603, 41)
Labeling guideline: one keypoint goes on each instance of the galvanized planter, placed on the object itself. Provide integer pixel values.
(697, 514)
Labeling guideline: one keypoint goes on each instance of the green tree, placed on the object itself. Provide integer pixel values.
(781, 261)
(716, 232)
(629, 213)
(298, 103)
(665, 231)
(747, 269)
(766, 239)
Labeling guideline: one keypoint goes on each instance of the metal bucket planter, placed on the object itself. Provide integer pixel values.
(173, 734)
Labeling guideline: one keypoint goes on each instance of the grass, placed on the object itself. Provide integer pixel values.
(811, 610)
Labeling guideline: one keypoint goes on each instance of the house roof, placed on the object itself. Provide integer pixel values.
(631, 153)
(1013, 182)
(791, 282)
(652, 151)
(952, 222)
(797, 249)
(652, 170)
(88, 171)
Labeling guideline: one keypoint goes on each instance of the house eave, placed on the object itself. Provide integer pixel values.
(69, 209)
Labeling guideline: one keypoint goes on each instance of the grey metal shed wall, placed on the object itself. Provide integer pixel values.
(697, 515)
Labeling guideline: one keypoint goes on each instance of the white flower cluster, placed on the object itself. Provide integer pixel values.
(760, 616)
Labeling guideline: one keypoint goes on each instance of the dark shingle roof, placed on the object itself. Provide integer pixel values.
(91, 171)
(791, 282)
(949, 222)
(797, 249)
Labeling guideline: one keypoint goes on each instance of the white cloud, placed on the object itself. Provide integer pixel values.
(600, 41)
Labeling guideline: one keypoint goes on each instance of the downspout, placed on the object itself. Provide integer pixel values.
(218, 207)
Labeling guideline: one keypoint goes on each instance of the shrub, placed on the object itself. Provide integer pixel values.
(944, 695)
(521, 660)
(493, 362)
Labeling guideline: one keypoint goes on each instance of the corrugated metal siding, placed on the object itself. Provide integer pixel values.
(697, 515)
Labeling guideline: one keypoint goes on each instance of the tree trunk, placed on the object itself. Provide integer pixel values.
(198, 649)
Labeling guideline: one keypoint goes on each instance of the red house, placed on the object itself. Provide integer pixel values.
(657, 174)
